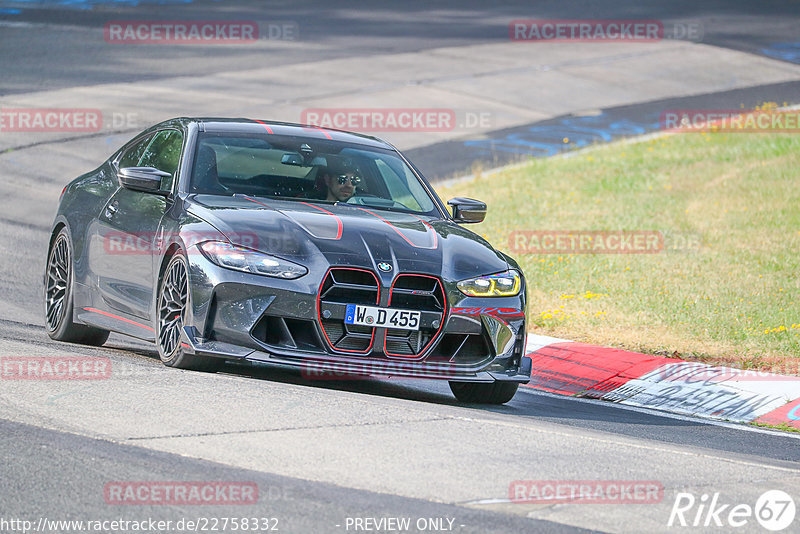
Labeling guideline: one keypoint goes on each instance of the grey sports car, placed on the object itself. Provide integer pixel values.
(256, 241)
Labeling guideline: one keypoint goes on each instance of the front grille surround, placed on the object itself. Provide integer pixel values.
(351, 285)
(341, 286)
(421, 292)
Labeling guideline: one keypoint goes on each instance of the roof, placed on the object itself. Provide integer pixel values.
(242, 125)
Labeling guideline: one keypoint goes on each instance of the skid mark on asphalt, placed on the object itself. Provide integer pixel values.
(288, 428)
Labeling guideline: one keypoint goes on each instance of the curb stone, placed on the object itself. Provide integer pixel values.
(577, 369)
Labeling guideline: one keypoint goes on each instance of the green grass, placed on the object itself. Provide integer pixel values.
(732, 299)
(785, 427)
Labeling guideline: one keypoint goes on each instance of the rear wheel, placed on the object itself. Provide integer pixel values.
(494, 393)
(173, 301)
(58, 298)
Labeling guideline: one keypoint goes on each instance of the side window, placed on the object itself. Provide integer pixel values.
(134, 154)
(164, 153)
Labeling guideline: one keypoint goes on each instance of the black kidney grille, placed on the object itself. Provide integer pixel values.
(418, 293)
(415, 292)
(344, 286)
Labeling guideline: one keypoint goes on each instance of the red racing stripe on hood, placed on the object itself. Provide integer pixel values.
(338, 220)
(401, 234)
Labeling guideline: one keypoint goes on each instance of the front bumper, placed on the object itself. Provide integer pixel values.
(250, 318)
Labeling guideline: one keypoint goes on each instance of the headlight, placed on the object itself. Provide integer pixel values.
(505, 284)
(250, 261)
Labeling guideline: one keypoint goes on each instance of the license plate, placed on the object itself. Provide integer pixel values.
(383, 317)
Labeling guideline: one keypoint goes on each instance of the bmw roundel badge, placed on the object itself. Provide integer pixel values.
(385, 267)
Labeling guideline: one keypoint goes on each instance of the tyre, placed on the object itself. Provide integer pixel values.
(494, 393)
(58, 311)
(173, 301)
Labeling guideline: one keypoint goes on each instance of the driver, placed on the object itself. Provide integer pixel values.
(341, 182)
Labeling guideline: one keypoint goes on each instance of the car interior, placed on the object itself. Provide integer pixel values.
(254, 167)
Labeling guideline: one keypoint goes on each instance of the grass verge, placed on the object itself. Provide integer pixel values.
(723, 290)
(784, 427)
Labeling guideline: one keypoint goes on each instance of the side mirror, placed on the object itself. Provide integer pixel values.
(467, 210)
(144, 179)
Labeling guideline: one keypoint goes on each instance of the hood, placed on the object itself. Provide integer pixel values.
(322, 235)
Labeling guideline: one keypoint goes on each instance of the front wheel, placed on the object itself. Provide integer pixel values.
(58, 298)
(494, 393)
(173, 301)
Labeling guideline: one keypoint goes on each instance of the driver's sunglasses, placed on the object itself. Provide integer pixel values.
(355, 180)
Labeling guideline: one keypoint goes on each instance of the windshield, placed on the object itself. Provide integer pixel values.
(300, 168)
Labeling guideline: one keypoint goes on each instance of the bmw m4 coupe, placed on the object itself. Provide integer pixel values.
(255, 241)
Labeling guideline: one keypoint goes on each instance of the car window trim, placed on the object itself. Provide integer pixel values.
(128, 147)
(176, 178)
(155, 133)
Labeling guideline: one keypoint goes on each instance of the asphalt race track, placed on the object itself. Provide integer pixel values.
(324, 453)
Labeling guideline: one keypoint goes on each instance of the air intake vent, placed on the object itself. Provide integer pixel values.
(462, 349)
(288, 333)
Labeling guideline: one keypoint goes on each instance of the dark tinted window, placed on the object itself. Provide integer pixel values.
(134, 154)
(299, 168)
(164, 153)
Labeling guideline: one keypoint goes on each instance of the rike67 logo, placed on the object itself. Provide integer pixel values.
(774, 510)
